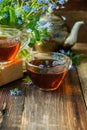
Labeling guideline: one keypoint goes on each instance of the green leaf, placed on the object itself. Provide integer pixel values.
(15, 90)
(33, 21)
(32, 42)
(1, 17)
(12, 15)
(37, 34)
(23, 53)
(27, 79)
(75, 58)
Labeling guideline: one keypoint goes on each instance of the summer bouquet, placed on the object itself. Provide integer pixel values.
(25, 15)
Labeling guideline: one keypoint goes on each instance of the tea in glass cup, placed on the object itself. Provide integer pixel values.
(48, 70)
(10, 43)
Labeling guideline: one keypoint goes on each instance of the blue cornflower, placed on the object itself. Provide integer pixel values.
(68, 52)
(40, 1)
(5, 15)
(44, 8)
(61, 1)
(26, 8)
(47, 25)
(31, 83)
(14, 2)
(34, 10)
(46, 1)
(62, 51)
(41, 66)
(17, 15)
(1, 1)
(53, 6)
(19, 21)
(18, 92)
(12, 93)
(72, 67)
(43, 1)
(43, 24)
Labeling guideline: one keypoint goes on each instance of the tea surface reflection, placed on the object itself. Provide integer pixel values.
(48, 70)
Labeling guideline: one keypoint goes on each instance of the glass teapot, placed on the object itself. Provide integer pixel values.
(59, 37)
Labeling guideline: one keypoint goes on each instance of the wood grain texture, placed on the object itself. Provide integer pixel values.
(14, 106)
(80, 48)
(63, 109)
(82, 72)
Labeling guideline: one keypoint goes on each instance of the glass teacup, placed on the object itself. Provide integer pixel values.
(47, 70)
(10, 43)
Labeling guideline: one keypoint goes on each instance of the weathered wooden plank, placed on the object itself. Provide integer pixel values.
(82, 72)
(59, 110)
(63, 109)
(14, 106)
(80, 48)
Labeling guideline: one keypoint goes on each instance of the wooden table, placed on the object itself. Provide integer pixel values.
(63, 109)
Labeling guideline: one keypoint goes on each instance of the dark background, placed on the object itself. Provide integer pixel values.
(76, 10)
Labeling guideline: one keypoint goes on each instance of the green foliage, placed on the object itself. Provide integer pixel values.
(15, 90)
(26, 13)
(75, 58)
(27, 79)
(24, 53)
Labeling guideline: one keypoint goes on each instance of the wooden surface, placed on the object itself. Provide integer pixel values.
(60, 110)
(63, 109)
(82, 71)
(80, 48)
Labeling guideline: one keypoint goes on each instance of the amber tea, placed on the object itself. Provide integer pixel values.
(48, 76)
(9, 48)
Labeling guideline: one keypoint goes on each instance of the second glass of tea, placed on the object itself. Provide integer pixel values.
(10, 43)
(48, 70)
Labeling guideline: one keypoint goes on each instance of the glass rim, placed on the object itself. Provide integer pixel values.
(15, 32)
(8, 27)
(68, 60)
